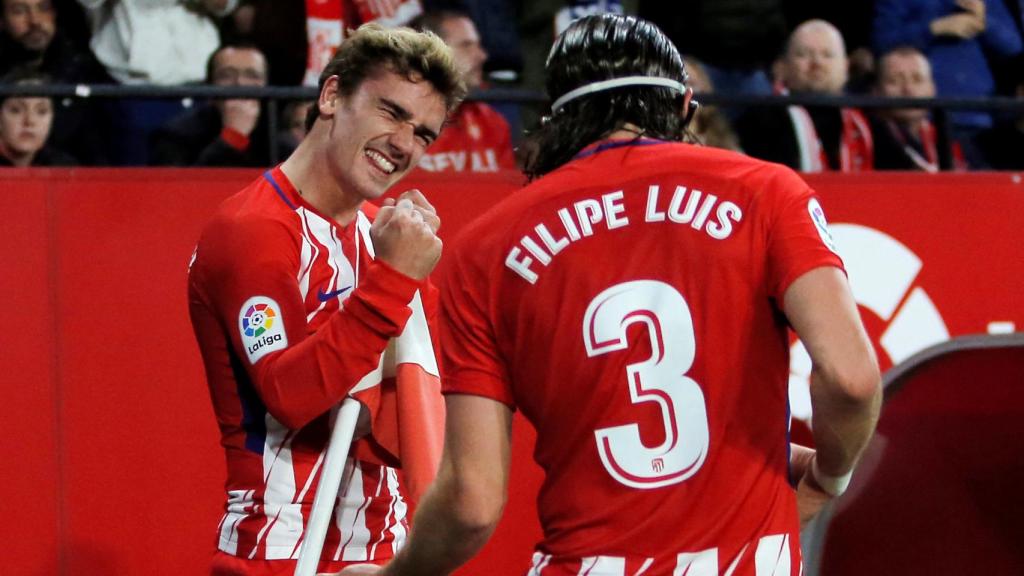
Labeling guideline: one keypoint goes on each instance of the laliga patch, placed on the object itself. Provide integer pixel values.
(818, 217)
(261, 327)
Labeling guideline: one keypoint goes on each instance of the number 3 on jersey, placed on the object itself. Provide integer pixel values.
(661, 379)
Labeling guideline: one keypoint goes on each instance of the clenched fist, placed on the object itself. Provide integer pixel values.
(405, 240)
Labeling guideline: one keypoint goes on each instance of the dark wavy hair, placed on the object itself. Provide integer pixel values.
(598, 48)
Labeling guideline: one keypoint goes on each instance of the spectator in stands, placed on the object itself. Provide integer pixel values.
(853, 19)
(25, 124)
(813, 138)
(959, 38)
(226, 132)
(1003, 144)
(477, 137)
(711, 127)
(328, 20)
(162, 42)
(904, 138)
(278, 29)
(293, 126)
(165, 42)
(28, 29)
(32, 39)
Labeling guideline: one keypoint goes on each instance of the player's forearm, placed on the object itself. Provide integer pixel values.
(846, 410)
(305, 380)
(449, 528)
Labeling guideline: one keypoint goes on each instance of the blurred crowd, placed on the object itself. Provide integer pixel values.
(893, 48)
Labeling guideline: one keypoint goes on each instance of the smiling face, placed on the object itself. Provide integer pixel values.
(378, 133)
(25, 125)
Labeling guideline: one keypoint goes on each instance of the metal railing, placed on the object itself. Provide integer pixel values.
(941, 107)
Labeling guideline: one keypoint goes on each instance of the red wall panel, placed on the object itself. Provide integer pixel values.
(118, 469)
(29, 384)
(141, 480)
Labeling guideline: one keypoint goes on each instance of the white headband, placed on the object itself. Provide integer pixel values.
(617, 83)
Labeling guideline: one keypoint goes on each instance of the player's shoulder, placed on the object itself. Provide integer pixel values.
(258, 203)
(759, 178)
(250, 219)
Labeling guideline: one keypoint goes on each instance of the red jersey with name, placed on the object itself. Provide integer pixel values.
(629, 303)
(290, 312)
(476, 139)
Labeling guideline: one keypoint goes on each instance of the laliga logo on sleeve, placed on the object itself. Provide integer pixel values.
(261, 327)
(818, 217)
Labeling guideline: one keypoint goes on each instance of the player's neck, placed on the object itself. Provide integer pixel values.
(627, 132)
(309, 173)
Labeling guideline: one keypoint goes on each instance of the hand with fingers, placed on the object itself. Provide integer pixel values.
(421, 205)
(965, 25)
(811, 496)
(404, 238)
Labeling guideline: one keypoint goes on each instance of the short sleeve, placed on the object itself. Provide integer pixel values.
(799, 238)
(472, 363)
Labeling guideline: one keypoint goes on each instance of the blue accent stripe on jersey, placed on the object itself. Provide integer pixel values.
(618, 144)
(280, 192)
(254, 412)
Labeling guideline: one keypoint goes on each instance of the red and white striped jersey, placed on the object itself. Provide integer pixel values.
(629, 303)
(290, 311)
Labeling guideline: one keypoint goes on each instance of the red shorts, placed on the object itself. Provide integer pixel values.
(228, 565)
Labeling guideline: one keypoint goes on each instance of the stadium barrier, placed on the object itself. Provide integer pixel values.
(512, 98)
(113, 459)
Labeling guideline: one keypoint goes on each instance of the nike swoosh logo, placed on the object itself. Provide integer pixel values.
(326, 296)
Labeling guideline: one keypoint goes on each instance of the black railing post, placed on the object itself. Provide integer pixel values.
(272, 130)
(944, 137)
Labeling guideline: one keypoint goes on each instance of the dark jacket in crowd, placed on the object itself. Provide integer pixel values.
(1003, 146)
(897, 149)
(195, 139)
(80, 126)
(767, 133)
(737, 34)
(46, 157)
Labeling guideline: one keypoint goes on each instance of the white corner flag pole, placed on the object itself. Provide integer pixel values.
(327, 491)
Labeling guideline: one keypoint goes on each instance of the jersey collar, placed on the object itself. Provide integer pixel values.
(602, 145)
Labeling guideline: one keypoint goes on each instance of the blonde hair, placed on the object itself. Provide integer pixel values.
(403, 51)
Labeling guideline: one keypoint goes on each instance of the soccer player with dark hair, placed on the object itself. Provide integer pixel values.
(633, 301)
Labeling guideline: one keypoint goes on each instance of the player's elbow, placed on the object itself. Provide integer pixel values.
(477, 505)
(289, 415)
(856, 383)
